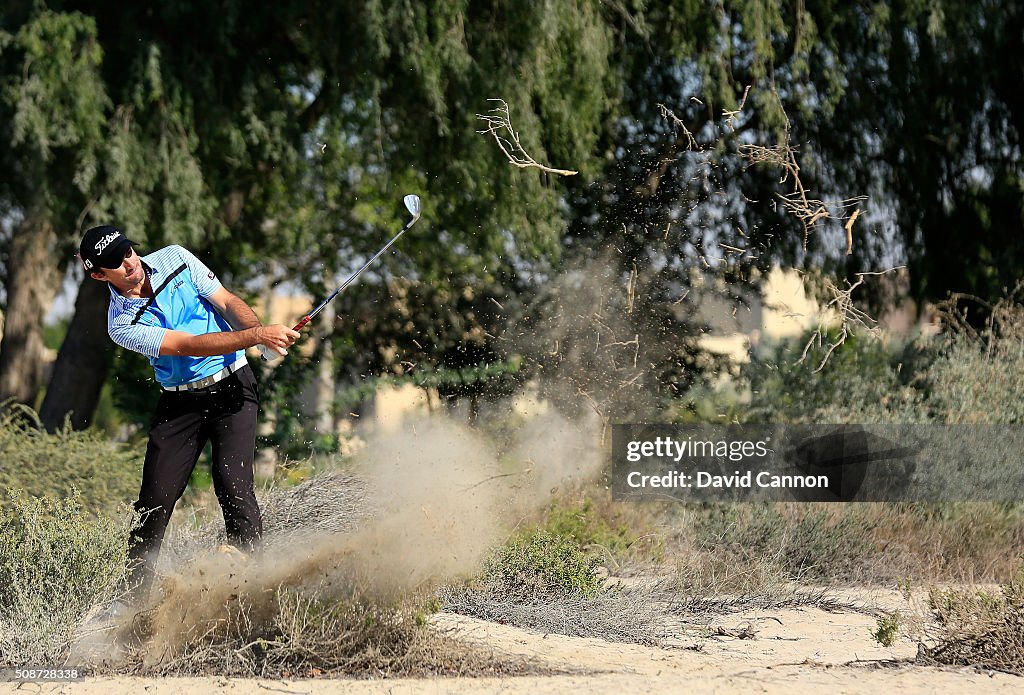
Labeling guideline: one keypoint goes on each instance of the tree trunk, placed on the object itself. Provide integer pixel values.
(82, 363)
(325, 384)
(32, 283)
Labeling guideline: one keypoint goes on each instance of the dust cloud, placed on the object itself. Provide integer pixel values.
(438, 496)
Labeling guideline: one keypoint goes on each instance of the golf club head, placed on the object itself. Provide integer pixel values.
(412, 204)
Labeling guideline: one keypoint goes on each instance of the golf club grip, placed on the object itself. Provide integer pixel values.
(302, 324)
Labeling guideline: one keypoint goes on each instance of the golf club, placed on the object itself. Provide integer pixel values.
(412, 204)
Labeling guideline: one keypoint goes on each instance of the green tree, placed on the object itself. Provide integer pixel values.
(928, 119)
(52, 105)
(203, 144)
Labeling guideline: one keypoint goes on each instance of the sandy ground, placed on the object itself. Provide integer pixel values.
(793, 651)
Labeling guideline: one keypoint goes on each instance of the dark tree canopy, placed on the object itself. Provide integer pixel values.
(276, 140)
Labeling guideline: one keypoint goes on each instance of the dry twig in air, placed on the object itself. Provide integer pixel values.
(850, 317)
(667, 114)
(730, 116)
(498, 120)
(798, 203)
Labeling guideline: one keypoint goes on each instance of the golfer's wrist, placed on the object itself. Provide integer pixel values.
(255, 336)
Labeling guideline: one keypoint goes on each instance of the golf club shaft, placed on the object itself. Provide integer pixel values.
(309, 317)
(412, 204)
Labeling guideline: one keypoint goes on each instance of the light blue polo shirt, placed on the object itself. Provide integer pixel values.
(181, 286)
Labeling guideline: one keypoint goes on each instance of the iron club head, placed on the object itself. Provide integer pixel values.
(412, 204)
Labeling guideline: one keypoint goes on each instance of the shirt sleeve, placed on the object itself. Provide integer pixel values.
(138, 338)
(203, 278)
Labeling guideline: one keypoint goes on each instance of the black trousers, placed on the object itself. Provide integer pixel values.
(224, 415)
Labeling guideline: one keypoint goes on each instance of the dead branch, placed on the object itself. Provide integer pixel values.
(849, 232)
(850, 318)
(498, 120)
(798, 202)
(666, 113)
(730, 116)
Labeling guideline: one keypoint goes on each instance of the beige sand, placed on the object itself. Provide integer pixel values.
(793, 652)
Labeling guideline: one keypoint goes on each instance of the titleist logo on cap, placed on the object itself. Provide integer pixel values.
(105, 241)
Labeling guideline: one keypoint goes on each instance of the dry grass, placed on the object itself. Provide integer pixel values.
(546, 582)
(620, 614)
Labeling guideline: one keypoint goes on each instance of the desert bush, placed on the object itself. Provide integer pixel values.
(311, 603)
(887, 629)
(58, 563)
(976, 628)
(964, 375)
(104, 473)
(786, 389)
(621, 533)
(305, 632)
(635, 614)
(541, 564)
(545, 582)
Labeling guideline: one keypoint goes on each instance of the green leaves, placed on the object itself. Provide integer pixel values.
(58, 99)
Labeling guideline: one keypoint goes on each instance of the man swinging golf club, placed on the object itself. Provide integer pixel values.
(170, 307)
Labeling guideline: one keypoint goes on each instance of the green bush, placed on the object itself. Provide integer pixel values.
(963, 376)
(888, 629)
(541, 564)
(58, 562)
(104, 473)
(598, 522)
(785, 389)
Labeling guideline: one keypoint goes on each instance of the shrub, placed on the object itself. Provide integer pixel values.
(545, 582)
(104, 473)
(297, 631)
(541, 564)
(613, 530)
(888, 629)
(57, 563)
(963, 376)
(977, 628)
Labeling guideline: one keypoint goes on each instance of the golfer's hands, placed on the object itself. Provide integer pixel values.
(277, 338)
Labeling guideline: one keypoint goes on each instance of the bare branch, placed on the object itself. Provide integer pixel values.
(850, 317)
(798, 202)
(666, 113)
(499, 121)
(730, 116)
(849, 232)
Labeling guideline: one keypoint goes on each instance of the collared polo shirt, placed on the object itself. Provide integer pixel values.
(182, 285)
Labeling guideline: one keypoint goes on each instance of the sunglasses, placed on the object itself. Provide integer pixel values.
(127, 254)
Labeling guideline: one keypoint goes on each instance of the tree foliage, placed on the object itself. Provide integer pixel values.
(276, 140)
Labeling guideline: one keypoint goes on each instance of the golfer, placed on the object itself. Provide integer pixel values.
(170, 307)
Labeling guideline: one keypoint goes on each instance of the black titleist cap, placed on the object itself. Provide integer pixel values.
(103, 246)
